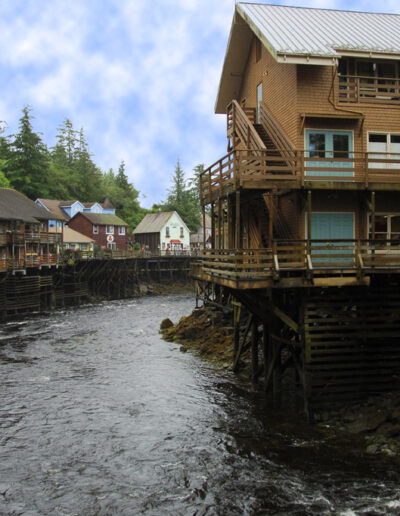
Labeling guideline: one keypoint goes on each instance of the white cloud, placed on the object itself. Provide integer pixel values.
(141, 78)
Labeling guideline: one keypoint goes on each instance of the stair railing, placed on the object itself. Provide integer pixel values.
(278, 137)
(240, 124)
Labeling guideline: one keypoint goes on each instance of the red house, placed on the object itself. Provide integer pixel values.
(108, 231)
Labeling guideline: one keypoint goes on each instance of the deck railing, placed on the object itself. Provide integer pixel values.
(382, 90)
(240, 123)
(315, 257)
(254, 168)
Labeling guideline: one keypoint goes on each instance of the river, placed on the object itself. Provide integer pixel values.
(99, 416)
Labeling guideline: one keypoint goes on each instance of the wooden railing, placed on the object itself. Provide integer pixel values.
(258, 168)
(50, 238)
(29, 237)
(277, 135)
(240, 123)
(315, 257)
(354, 88)
(4, 239)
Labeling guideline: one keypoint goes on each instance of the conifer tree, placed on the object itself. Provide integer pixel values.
(28, 160)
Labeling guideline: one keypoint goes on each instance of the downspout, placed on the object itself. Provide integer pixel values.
(337, 108)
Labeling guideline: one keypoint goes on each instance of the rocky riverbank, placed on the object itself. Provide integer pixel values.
(376, 421)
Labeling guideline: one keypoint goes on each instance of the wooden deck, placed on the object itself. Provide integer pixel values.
(299, 263)
(376, 90)
(259, 169)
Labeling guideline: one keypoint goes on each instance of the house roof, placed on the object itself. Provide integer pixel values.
(69, 203)
(89, 204)
(15, 206)
(70, 235)
(54, 206)
(102, 219)
(107, 205)
(302, 35)
(154, 222)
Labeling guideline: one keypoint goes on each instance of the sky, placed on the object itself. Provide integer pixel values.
(139, 76)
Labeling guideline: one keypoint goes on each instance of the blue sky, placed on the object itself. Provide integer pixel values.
(139, 76)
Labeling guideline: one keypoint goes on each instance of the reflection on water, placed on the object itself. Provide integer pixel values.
(99, 416)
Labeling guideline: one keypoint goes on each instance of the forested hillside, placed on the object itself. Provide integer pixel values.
(67, 171)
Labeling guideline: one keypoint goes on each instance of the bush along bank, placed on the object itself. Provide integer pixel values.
(375, 421)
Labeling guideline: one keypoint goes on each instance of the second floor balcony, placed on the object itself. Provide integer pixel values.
(369, 89)
(288, 168)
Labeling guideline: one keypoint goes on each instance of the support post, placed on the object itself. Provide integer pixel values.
(309, 212)
(237, 221)
(254, 350)
(204, 228)
(373, 215)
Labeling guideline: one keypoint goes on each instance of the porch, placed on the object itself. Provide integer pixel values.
(299, 263)
(259, 169)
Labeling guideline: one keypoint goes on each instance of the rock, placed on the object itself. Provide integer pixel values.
(143, 289)
(389, 429)
(367, 422)
(166, 323)
(372, 448)
(183, 349)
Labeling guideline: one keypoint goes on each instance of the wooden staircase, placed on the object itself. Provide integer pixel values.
(280, 225)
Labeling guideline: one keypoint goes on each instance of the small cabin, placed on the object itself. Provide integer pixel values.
(163, 232)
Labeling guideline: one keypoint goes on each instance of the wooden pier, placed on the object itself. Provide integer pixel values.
(83, 279)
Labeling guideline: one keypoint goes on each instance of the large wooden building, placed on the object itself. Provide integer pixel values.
(306, 202)
(25, 238)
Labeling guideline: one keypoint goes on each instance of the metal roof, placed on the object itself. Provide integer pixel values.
(322, 32)
(154, 222)
(302, 35)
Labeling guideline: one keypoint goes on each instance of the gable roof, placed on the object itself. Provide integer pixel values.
(101, 219)
(107, 204)
(303, 35)
(70, 235)
(154, 222)
(90, 204)
(54, 207)
(16, 206)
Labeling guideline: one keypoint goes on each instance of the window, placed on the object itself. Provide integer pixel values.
(121, 230)
(167, 233)
(387, 227)
(95, 229)
(384, 146)
(182, 234)
(111, 245)
(110, 230)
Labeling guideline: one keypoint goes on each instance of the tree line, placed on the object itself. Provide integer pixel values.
(67, 171)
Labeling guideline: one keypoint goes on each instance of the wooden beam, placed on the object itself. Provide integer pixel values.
(237, 221)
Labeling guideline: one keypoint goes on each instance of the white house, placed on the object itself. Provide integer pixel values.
(163, 231)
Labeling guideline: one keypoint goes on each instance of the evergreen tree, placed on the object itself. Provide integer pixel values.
(28, 161)
(90, 177)
(183, 199)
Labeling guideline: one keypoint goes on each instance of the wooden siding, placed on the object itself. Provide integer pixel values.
(279, 88)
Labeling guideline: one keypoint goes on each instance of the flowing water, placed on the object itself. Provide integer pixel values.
(99, 416)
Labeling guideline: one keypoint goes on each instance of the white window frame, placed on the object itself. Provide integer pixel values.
(95, 229)
(109, 230)
(121, 230)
